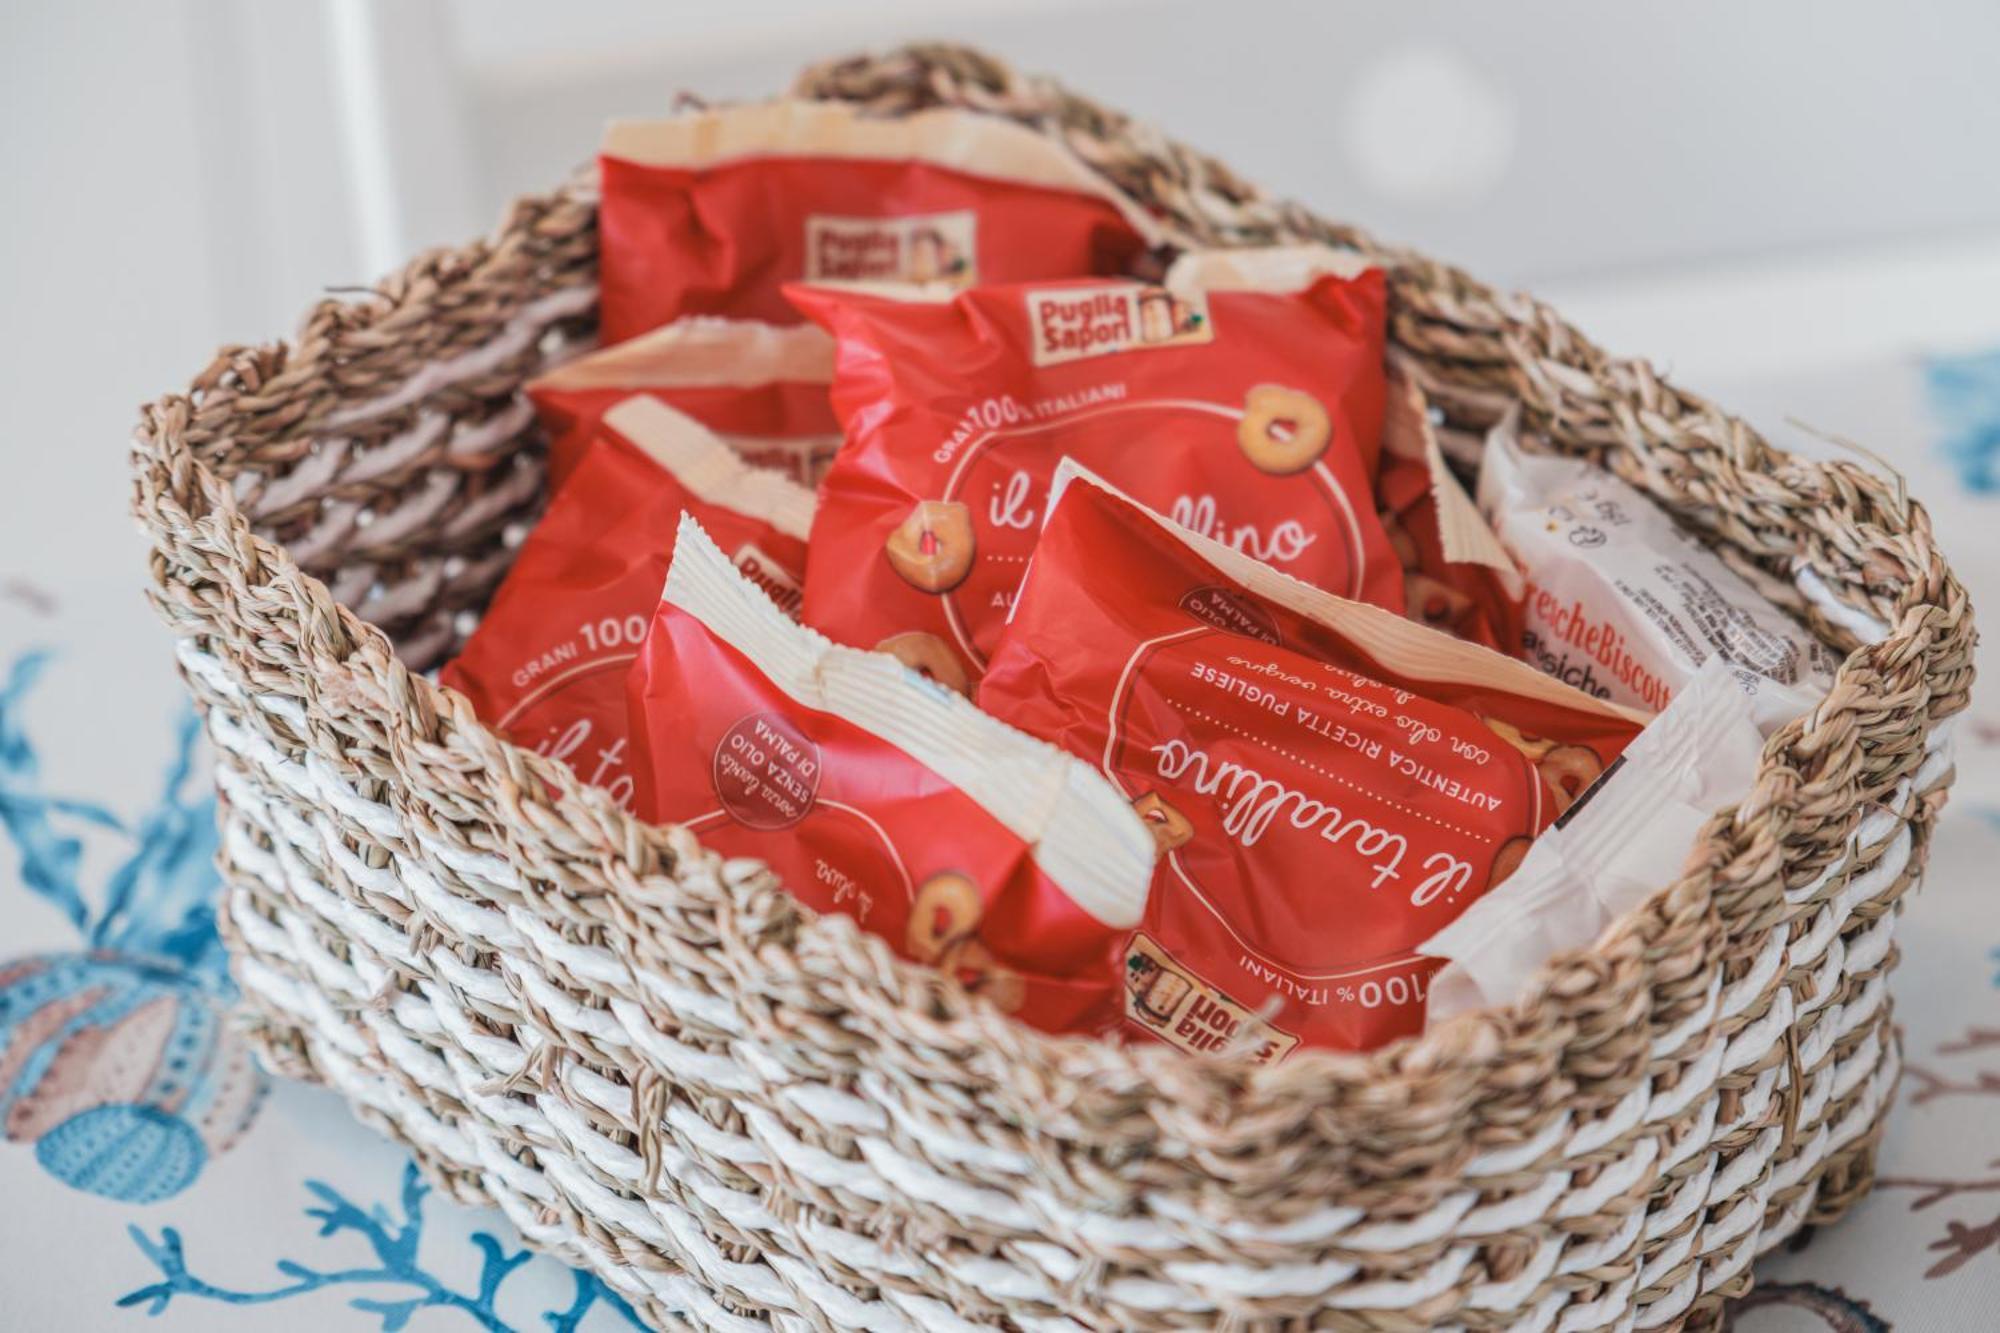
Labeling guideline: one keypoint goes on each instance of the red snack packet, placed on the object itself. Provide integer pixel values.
(1317, 772)
(1457, 577)
(1244, 397)
(711, 213)
(874, 792)
(546, 667)
(763, 389)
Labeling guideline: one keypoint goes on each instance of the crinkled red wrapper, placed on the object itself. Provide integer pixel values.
(546, 667)
(1325, 795)
(1252, 416)
(758, 753)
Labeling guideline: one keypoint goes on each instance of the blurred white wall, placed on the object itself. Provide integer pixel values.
(1735, 190)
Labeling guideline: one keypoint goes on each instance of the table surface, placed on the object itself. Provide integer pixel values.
(278, 1198)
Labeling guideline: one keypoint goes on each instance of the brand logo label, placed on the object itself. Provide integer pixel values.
(1181, 1009)
(777, 582)
(1071, 323)
(766, 772)
(1230, 612)
(926, 247)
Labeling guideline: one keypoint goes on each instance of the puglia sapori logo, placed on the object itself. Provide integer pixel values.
(1071, 323)
(929, 247)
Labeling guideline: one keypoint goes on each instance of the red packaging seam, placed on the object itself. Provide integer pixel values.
(1463, 532)
(974, 144)
(712, 212)
(1383, 635)
(716, 476)
(761, 387)
(1457, 576)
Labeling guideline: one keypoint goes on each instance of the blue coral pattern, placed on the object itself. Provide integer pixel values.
(397, 1270)
(116, 1061)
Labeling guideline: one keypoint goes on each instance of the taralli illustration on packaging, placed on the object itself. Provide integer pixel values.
(1327, 783)
(933, 547)
(546, 667)
(1283, 430)
(1621, 603)
(958, 409)
(761, 387)
(1457, 577)
(712, 212)
(928, 655)
(874, 792)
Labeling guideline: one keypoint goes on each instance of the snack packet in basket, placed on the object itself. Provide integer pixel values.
(1328, 782)
(1457, 577)
(874, 792)
(712, 212)
(1622, 603)
(761, 387)
(1243, 397)
(546, 667)
(1626, 839)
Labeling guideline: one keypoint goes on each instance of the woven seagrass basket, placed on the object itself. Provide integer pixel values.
(742, 1117)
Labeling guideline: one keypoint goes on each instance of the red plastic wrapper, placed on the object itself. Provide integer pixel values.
(711, 213)
(762, 388)
(1457, 577)
(1328, 783)
(546, 667)
(873, 792)
(1244, 397)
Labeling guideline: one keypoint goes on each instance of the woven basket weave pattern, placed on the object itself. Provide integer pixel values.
(741, 1117)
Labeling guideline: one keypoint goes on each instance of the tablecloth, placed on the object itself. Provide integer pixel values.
(150, 1170)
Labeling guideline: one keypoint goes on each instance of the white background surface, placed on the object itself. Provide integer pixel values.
(1785, 202)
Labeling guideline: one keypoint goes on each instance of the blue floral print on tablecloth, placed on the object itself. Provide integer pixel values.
(116, 1059)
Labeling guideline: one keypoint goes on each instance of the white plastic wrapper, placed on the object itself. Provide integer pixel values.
(1621, 603)
(1620, 843)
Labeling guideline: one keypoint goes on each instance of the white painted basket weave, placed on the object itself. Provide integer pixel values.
(741, 1117)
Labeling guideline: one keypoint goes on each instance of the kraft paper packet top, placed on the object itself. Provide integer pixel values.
(711, 212)
(761, 387)
(1620, 602)
(1620, 843)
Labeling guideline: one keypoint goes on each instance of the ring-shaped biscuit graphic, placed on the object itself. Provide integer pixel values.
(1508, 859)
(1431, 602)
(933, 547)
(930, 656)
(1169, 827)
(1532, 746)
(1283, 430)
(1569, 770)
(947, 909)
(976, 969)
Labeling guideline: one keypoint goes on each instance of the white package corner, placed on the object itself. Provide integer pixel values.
(1622, 843)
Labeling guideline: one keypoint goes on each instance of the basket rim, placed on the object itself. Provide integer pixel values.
(177, 494)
